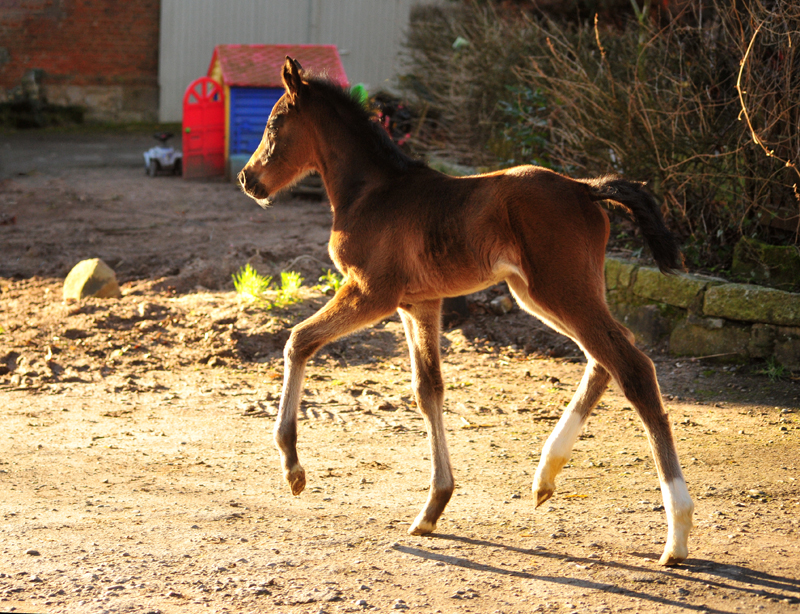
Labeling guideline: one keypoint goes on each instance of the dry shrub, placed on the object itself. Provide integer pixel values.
(647, 101)
(457, 85)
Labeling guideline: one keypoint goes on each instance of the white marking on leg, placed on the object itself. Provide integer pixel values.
(290, 400)
(441, 471)
(561, 441)
(442, 482)
(286, 425)
(558, 447)
(679, 508)
(422, 332)
(555, 454)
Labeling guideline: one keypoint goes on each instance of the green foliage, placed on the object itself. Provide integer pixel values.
(642, 14)
(250, 286)
(330, 282)
(288, 293)
(774, 370)
(461, 57)
(524, 129)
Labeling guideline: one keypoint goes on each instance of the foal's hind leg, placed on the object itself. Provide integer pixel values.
(349, 310)
(610, 344)
(422, 331)
(559, 444)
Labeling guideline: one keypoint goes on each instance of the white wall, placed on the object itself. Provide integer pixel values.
(368, 34)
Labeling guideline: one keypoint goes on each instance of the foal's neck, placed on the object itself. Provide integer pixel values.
(349, 158)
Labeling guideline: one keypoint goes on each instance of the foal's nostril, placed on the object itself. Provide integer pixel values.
(242, 178)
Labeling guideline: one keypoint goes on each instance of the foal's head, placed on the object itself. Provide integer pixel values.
(279, 161)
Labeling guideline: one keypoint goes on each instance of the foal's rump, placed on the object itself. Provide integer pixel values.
(553, 200)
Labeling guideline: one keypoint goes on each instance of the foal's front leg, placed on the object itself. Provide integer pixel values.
(348, 311)
(422, 331)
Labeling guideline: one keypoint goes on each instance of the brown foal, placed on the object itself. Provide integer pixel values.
(405, 236)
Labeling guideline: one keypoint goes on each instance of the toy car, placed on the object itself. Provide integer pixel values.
(163, 159)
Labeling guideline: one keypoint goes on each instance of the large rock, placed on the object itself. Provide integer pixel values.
(787, 346)
(679, 290)
(710, 337)
(752, 304)
(618, 273)
(762, 340)
(91, 278)
(649, 323)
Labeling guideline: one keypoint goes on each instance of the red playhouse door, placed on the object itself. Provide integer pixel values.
(203, 129)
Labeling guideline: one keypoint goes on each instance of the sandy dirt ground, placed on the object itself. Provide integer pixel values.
(138, 472)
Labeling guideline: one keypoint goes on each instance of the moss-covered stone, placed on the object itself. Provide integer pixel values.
(647, 323)
(752, 304)
(680, 290)
(718, 339)
(762, 340)
(774, 265)
(705, 316)
(787, 347)
(618, 273)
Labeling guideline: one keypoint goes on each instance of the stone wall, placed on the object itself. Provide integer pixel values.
(99, 54)
(702, 316)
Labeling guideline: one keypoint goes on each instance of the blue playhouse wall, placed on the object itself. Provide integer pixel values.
(249, 110)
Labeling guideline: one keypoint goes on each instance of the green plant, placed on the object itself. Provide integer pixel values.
(460, 58)
(642, 14)
(290, 288)
(253, 287)
(250, 285)
(330, 282)
(774, 370)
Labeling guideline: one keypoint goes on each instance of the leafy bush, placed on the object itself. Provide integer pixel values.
(524, 128)
(460, 59)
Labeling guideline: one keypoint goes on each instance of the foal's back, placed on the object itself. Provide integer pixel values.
(447, 236)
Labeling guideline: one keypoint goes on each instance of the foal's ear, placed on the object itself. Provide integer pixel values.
(292, 78)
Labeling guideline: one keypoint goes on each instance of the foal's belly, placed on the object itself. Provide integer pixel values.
(449, 282)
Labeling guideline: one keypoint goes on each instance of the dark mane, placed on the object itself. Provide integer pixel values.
(362, 122)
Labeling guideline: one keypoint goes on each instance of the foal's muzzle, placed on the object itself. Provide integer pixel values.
(253, 188)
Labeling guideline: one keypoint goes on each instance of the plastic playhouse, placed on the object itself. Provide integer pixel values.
(225, 112)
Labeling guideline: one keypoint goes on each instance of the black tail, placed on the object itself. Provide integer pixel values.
(633, 196)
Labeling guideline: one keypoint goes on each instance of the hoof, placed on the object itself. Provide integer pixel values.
(669, 560)
(296, 477)
(542, 494)
(673, 556)
(421, 527)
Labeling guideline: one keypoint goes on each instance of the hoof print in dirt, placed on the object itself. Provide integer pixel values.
(91, 278)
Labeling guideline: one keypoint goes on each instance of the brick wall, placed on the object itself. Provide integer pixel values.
(101, 54)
